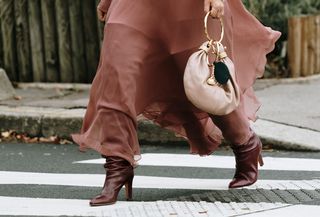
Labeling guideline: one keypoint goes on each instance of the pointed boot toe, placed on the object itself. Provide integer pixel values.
(101, 200)
(239, 182)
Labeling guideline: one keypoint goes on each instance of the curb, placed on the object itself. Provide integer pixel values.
(298, 80)
(283, 136)
(41, 85)
(262, 84)
(46, 122)
(39, 121)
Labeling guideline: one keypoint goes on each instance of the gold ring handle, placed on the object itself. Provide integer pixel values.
(206, 28)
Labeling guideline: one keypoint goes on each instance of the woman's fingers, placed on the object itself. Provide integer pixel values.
(215, 6)
(207, 5)
(101, 15)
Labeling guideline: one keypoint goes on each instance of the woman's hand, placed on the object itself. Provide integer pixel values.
(101, 15)
(102, 9)
(215, 6)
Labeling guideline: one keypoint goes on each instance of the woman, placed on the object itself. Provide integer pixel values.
(144, 52)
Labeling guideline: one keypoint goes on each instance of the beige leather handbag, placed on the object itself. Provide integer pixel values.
(212, 86)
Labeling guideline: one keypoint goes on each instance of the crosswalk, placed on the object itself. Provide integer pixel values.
(212, 197)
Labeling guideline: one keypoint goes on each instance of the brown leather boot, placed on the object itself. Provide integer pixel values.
(119, 172)
(247, 157)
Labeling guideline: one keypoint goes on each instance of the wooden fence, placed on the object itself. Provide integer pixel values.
(50, 40)
(60, 40)
(304, 45)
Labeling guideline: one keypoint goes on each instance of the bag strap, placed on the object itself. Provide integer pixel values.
(211, 40)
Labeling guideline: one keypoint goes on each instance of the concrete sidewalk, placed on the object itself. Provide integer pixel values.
(289, 117)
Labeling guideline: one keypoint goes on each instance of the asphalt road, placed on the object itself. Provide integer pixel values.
(42, 159)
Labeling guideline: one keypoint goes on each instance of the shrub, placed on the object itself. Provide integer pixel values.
(275, 13)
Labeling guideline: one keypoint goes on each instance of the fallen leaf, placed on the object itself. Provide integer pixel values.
(25, 138)
(43, 139)
(7, 134)
(33, 140)
(17, 97)
(64, 142)
(54, 139)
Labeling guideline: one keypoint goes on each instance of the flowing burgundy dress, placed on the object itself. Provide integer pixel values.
(145, 49)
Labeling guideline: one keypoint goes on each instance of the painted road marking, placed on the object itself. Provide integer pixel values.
(13, 206)
(152, 182)
(214, 161)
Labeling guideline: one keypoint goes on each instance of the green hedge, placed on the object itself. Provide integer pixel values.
(275, 13)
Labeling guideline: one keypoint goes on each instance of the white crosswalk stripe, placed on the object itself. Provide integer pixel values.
(96, 180)
(215, 161)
